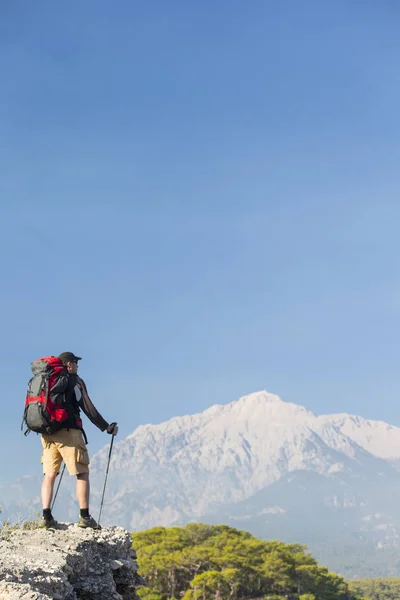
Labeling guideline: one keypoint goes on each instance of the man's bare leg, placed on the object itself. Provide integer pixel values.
(82, 493)
(83, 490)
(47, 489)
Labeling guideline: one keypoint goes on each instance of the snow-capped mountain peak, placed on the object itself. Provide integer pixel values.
(230, 452)
(377, 437)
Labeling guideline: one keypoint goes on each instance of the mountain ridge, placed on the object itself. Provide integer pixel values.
(253, 440)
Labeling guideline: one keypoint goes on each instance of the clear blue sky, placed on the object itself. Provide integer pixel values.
(202, 200)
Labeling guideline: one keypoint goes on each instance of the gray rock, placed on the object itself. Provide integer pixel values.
(67, 563)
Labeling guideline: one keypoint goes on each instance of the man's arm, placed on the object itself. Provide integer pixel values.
(89, 408)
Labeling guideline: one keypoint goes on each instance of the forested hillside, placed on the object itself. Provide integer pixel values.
(218, 562)
(378, 589)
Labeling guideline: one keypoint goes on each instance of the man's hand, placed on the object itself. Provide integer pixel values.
(112, 429)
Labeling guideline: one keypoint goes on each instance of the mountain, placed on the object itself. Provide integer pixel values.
(271, 466)
(188, 465)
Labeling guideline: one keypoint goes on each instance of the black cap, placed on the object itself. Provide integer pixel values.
(66, 357)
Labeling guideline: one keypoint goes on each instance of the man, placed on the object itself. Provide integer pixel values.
(68, 445)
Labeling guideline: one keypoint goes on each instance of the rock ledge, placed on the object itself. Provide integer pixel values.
(67, 563)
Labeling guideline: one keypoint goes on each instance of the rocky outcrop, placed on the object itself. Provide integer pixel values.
(67, 563)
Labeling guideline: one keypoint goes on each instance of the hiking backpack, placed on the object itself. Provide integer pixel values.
(44, 405)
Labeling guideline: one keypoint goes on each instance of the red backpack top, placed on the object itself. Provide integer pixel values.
(44, 410)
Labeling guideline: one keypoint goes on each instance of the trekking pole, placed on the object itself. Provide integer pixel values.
(105, 481)
(58, 487)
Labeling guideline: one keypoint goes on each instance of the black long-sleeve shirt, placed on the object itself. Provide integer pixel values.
(78, 395)
(89, 408)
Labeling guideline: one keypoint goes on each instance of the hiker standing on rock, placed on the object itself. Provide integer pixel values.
(68, 443)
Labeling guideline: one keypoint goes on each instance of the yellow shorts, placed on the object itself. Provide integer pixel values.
(65, 445)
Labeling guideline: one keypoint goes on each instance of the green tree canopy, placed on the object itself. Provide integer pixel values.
(203, 562)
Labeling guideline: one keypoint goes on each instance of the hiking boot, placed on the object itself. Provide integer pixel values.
(86, 522)
(48, 523)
